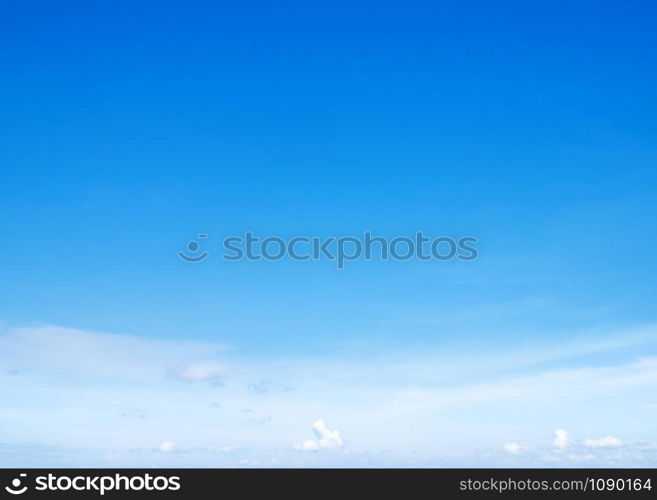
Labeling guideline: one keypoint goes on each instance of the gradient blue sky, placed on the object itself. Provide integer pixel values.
(128, 128)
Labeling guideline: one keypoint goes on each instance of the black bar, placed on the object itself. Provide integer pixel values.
(307, 483)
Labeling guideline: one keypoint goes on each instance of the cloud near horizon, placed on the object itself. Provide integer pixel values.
(604, 442)
(325, 439)
(87, 380)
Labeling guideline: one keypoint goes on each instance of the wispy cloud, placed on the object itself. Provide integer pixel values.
(211, 372)
(50, 349)
(512, 448)
(604, 442)
(88, 381)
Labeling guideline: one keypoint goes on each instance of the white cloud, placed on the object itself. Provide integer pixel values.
(326, 438)
(389, 405)
(512, 448)
(211, 372)
(308, 445)
(581, 458)
(167, 446)
(603, 442)
(561, 439)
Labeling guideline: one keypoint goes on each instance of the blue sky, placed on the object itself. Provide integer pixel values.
(127, 129)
